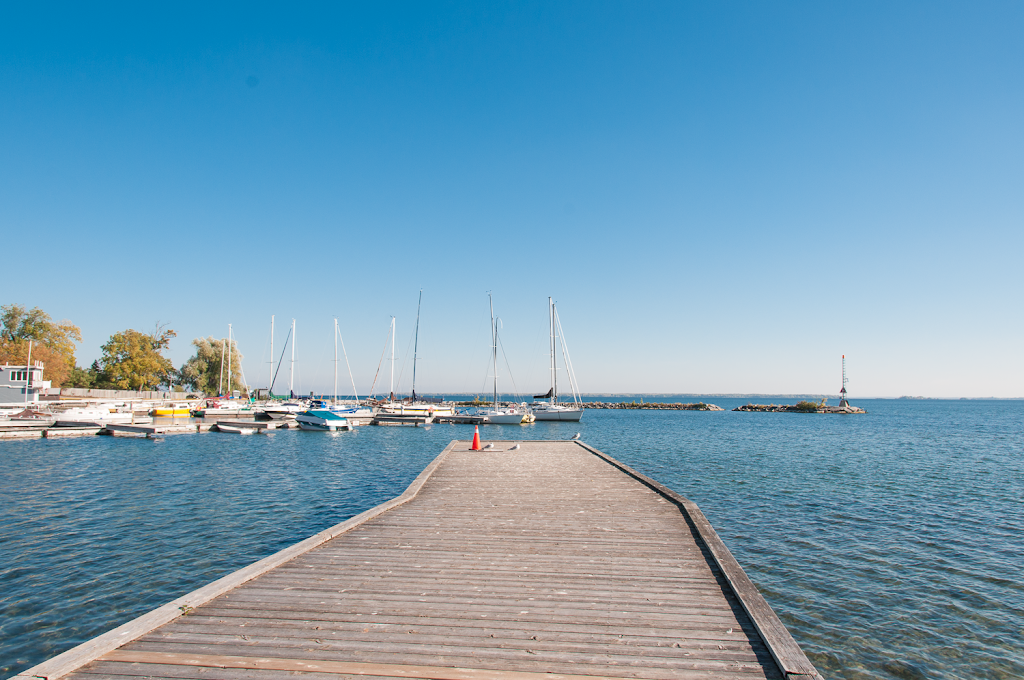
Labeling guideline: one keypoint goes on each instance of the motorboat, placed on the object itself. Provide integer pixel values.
(226, 407)
(282, 411)
(90, 415)
(28, 418)
(551, 409)
(235, 429)
(174, 409)
(323, 420)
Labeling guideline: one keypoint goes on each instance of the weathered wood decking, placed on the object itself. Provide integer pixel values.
(494, 565)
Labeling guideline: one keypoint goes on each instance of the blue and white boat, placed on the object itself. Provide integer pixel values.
(323, 420)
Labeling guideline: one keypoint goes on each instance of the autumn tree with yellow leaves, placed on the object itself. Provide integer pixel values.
(133, 360)
(53, 342)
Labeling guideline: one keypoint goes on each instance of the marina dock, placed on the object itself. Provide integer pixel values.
(550, 561)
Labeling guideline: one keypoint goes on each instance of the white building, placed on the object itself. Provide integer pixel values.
(20, 384)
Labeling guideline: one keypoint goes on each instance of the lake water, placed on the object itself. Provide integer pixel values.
(891, 544)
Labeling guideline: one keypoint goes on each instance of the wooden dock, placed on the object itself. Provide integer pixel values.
(401, 419)
(551, 561)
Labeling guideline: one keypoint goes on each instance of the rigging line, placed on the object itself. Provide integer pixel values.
(515, 390)
(259, 374)
(487, 370)
(381, 362)
(416, 346)
(279, 361)
(241, 369)
(320, 362)
(405, 363)
(568, 362)
(343, 351)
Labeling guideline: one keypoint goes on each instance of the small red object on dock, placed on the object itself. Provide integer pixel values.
(476, 440)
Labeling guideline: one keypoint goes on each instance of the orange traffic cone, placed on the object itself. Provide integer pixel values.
(476, 440)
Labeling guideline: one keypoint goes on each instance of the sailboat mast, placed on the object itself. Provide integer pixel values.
(335, 360)
(416, 345)
(28, 373)
(228, 359)
(271, 390)
(392, 358)
(494, 349)
(220, 380)
(554, 368)
(291, 373)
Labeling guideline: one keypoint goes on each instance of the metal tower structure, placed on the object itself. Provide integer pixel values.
(842, 392)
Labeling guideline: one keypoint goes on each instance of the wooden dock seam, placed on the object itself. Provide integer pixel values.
(780, 642)
(78, 656)
(388, 670)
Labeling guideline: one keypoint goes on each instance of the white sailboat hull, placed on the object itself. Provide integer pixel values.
(569, 415)
(503, 418)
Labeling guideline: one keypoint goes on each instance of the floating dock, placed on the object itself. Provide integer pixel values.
(401, 419)
(550, 561)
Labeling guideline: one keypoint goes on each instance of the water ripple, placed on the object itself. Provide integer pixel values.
(889, 544)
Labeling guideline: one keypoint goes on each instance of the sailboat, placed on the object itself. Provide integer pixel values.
(274, 409)
(495, 415)
(355, 413)
(413, 407)
(551, 409)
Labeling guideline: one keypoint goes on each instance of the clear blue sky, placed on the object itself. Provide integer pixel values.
(722, 197)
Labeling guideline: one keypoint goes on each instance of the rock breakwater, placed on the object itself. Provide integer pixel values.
(653, 406)
(801, 407)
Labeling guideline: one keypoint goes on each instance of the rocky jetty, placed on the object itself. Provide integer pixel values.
(653, 406)
(799, 407)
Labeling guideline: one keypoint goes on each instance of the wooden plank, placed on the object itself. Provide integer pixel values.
(442, 667)
(76, 657)
(57, 432)
(463, 636)
(711, 627)
(372, 639)
(303, 665)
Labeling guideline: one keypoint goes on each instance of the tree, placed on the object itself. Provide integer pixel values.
(134, 361)
(92, 377)
(53, 342)
(203, 372)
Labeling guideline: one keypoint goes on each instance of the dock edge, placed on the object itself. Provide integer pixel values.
(76, 657)
(791, 659)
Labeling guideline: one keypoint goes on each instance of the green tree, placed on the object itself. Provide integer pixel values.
(806, 407)
(207, 370)
(53, 341)
(92, 377)
(135, 361)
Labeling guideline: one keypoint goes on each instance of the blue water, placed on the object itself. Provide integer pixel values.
(891, 544)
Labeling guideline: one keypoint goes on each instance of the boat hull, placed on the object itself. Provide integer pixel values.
(503, 418)
(279, 415)
(569, 415)
(235, 429)
(328, 423)
(316, 427)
